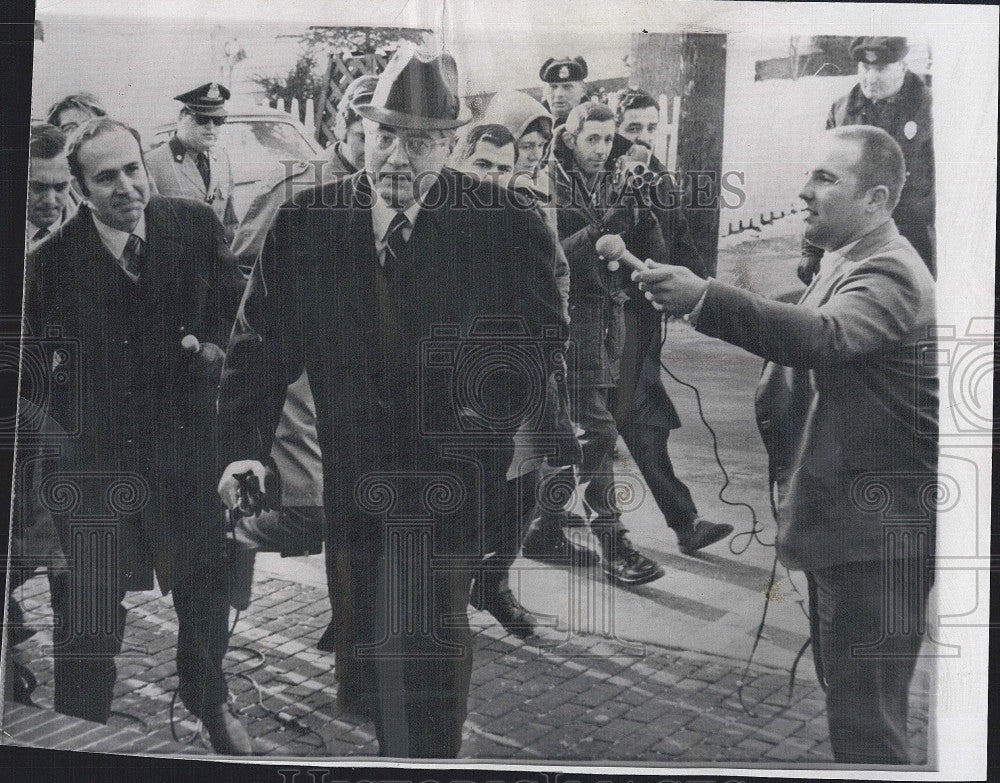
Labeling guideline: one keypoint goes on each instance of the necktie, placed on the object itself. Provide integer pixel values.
(132, 255)
(201, 161)
(40, 235)
(395, 242)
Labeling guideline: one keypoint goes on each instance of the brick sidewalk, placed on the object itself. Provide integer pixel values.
(579, 698)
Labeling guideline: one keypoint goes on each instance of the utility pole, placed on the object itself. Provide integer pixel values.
(692, 66)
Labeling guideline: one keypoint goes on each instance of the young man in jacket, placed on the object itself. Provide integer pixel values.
(140, 291)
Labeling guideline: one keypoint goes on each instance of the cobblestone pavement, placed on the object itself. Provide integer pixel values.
(579, 697)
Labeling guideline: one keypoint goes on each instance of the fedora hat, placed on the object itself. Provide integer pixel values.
(418, 91)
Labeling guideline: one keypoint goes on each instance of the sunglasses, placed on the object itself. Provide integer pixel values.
(201, 119)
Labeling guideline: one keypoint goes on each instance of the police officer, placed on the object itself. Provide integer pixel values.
(190, 165)
(564, 87)
(892, 98)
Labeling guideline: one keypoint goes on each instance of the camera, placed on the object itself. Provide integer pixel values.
(49, 369)
(485, 385)
(633, 171)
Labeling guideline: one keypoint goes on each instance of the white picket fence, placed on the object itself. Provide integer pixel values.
(294, 108)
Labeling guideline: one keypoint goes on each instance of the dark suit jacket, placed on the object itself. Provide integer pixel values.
(847, 403)
(139, 407)
(387, 386)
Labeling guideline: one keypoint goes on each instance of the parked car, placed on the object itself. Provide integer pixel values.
(257, 140)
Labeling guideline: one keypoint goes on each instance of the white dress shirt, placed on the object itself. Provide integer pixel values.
(114, 240)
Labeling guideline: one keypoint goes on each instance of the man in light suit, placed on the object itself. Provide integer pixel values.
(191, 164)
(384, 285)
(139, 292)
(848, 413)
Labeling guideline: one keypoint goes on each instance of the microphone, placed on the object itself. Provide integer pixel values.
(611, 248)
(190, 344)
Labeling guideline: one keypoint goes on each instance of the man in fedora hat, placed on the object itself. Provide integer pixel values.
(891, 97)
(564, 85)
(191, 165)
(392, 287)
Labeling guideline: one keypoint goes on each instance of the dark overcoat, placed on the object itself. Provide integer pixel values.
(137, 406)
(420, 380)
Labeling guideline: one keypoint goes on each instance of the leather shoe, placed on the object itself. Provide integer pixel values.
(556, 549)
(625, 565)
(515, 618)
(701, 534)
(226, 731)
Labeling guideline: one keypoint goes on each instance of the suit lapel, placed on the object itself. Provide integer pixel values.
(101, 272)
(363, 262)
(163, 250)
(431, 248)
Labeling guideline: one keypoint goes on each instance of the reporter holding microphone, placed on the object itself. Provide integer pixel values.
(843, 405)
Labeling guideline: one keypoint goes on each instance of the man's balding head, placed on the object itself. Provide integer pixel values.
(853, 186)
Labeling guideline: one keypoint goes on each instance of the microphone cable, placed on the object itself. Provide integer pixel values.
(755, 529)
(752, 535)
(285, 719)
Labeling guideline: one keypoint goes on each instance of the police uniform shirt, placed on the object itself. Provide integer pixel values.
(114, 240)
(179, 151)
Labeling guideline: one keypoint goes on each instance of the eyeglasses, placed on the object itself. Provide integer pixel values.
(415, 146)
(202, 119)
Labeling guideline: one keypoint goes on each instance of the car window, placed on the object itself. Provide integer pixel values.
(263, 140)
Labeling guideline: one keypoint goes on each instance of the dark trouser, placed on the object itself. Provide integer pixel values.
(89, 631)
(410, 656)
(502, 538)
(866, 632)
(597, 469)
(645, 417)
(648, 446)
(339, 635)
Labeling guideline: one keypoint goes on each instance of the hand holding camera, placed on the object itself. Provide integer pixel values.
(240, 487)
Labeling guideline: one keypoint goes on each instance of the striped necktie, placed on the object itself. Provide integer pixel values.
(395, 242)
(132, 255)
